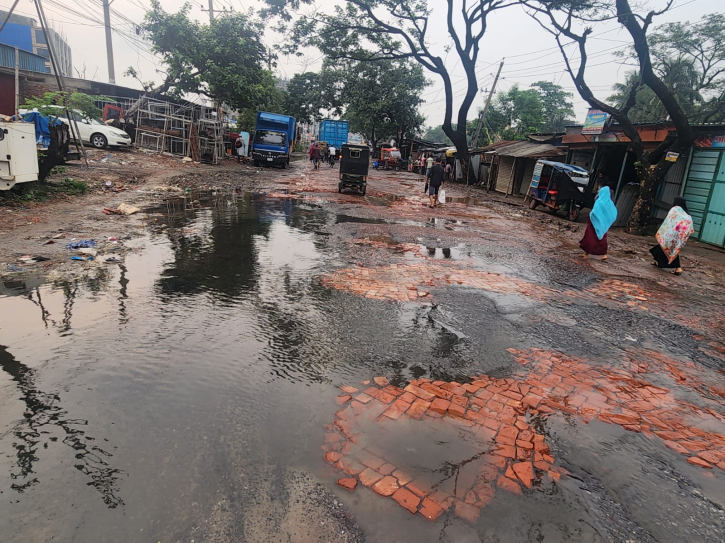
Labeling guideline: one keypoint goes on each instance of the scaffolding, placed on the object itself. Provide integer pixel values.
(165, 127)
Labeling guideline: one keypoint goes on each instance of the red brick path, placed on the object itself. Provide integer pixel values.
(495, 412)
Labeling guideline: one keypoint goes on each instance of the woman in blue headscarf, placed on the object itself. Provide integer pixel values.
(602, 217)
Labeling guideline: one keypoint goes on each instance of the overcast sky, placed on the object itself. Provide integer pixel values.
(530, 53)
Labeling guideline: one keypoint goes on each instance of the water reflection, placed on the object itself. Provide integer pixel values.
(33, 434)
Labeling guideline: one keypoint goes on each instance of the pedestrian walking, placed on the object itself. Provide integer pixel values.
(333, 155)
(435, 182)
(240, 148)
(672, 237)
(429, 165)
(600, 220)
(449, 171)
(315, 156)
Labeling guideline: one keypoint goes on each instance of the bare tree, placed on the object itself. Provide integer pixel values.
(563, 18)
(373, 30)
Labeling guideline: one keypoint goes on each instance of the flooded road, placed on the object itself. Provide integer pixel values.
(192, 392)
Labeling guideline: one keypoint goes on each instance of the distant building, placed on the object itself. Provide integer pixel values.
(25, 34)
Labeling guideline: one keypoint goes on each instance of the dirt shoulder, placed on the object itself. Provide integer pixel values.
(32, 228)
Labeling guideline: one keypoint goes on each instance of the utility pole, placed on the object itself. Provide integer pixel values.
(17, 84)
(210, 10)
(109, 40)
(482, 116)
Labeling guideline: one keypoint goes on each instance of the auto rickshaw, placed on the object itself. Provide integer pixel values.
(354, 166)
(390, 159)
(560, 186)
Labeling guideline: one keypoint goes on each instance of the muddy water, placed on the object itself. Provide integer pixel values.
(183, 396)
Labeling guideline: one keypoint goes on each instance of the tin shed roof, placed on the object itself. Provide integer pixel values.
(531, 150)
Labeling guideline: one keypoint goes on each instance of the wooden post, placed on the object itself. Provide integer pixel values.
(17, 84)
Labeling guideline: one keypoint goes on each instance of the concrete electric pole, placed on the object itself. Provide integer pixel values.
(211, 11)
(482, 117)
(109, 40)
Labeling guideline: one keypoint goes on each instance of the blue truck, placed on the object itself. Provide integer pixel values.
(274, 139)
(334, 133)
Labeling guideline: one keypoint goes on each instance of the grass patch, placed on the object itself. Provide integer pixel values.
(39, 191)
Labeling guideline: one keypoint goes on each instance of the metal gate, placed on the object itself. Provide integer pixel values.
(713, 225)
(505, 171)
(704, 168)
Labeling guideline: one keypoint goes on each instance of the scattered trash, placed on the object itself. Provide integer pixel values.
(128, 209)
(90, 258)
(49, 242)
(109, 211)
(113, 238)
(59, 236)
(82, 244)
(187, 159)
(26, 258)
(41, 258)
(91, 252)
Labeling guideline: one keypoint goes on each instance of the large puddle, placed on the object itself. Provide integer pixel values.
(193, 383)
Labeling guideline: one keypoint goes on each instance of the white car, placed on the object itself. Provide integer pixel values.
(98, 134)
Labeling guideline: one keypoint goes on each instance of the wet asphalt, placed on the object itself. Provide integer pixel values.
(182, 395)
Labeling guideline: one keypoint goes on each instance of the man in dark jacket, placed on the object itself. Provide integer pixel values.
(435, 182)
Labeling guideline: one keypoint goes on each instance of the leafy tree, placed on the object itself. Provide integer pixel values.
(520, 111)
(565, 19)
(309, 94)
(437, 135)
(690, 60)
(373, 30)
(557, 107)
(223, 60)
(381, 99)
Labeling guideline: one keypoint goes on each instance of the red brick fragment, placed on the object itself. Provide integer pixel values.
(418, 487)
(430, 509)
(369, 459)
(407, 500)
(386, 469)
(402, 477)
(525, 473)
(467, 512)
(332, 437)
(363, 398)
(348, 482)
(676, 447)
(439, 406)
(422, 394)
(369, 477)
(418, 408)
(508, 484)
(332, 457)
(456, 410)
(351, 467)
(381, 381)
(694, 460)
(387, 486)
(396, 409)
(343, 399)
(379, 395)
(408, 397)
(349, 390)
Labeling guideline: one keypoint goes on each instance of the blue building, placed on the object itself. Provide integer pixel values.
(25, 34)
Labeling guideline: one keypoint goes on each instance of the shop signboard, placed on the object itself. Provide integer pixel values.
(594, 123)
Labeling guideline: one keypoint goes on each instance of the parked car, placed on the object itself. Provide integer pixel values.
(96, 133)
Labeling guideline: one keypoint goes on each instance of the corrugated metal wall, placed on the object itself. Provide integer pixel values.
(505, 170)
(671, 188)
(699, 182)
(625, 203)
(28, 61)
